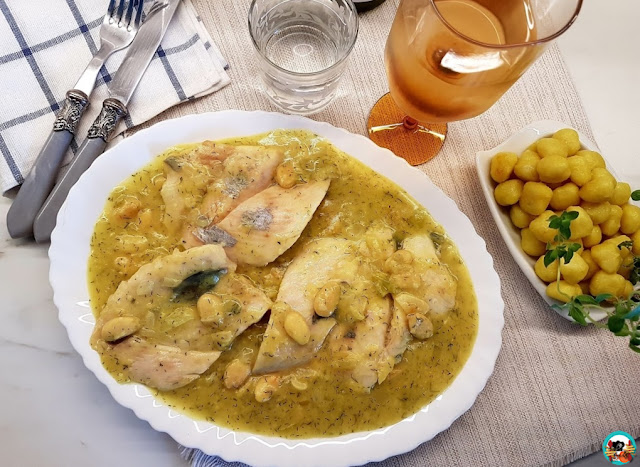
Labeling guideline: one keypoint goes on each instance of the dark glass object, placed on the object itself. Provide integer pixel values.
(366, 5)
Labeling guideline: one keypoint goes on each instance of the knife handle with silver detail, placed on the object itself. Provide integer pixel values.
(101, 129)
(41, 177)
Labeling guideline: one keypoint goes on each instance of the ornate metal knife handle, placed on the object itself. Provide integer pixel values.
(110, 115)
(71, 111)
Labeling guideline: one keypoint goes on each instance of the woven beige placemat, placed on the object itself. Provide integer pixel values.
(558, 389)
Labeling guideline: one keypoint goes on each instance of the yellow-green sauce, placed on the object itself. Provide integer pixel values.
(327, 407)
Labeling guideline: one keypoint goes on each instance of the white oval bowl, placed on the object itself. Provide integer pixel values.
(511, 234)
(69, 254)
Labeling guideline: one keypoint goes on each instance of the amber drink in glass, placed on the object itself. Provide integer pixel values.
(449, 60)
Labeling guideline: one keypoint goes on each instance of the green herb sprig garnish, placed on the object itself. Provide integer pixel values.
(624, 318)
(561, 250)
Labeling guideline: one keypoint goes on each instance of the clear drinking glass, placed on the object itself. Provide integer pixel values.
(302, 47)
(449, 60)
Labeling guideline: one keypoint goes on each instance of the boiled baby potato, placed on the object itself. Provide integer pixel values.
(563, 291)
(621, 194)
(581, 226)
(526, 167)
(580, 169)
(564, 196)
(502, 165)
(508, 193)
(535, 198)
(551, 147)
(540, 229)
(599, 212)
(593, 238)
(603, 282)
(519, 218)
(600, 187)
(570, 138)
(530, 244)
(607, 256)
(593, 158)
(635, 238)
(616, 241)
(575, 270)
(611, 226)
(546, 273)
(553, 169)
(630, 220)
(593, 266)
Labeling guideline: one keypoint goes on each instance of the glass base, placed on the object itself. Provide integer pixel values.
(414, 141)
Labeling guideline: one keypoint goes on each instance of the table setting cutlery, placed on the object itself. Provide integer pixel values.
(169, 80)
(114, 108)
(119, 27)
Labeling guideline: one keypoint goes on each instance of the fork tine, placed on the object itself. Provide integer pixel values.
(127, 20)
(139, 13)
(120, 10)
(111, 9)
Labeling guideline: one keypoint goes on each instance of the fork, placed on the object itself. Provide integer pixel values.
(119, 26)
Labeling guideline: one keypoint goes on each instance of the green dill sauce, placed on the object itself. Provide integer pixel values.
(310, 401)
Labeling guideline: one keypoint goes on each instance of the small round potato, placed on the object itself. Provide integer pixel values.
(563, 291)
(628, 289)
(594, 158)
(540, 227)
(630, 220)
(526, 167)
(607, 256)
(603, 282)
(520, 218)
(599, 188)
(553, 169)
(581, 226)
(635, 238)
(580, 169)
(593, 238)
(530, 244)
(575, 270)
(551, 147)
(593, 266)
(616, 241)
(611, 226)
(546, 273)
(570, 138)
(535, 198)
(564, 196)
(502, 165)
(599, 212)
(508, 193)
(621, 194)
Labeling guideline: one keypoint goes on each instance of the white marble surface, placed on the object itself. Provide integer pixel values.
(55, 413)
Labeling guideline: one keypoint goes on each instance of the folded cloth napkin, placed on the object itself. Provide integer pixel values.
(47, 45)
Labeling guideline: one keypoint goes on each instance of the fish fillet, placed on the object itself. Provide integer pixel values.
(246, 171)
(267, 224)
(319, 262)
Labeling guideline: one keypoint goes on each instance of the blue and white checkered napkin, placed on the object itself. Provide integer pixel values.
(45, 46)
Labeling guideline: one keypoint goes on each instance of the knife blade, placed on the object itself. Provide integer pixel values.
(114, 108)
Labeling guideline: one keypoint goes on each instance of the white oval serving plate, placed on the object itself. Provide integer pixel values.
(69, 254)
(510, 234)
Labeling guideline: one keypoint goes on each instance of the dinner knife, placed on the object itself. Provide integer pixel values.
(114, 108)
